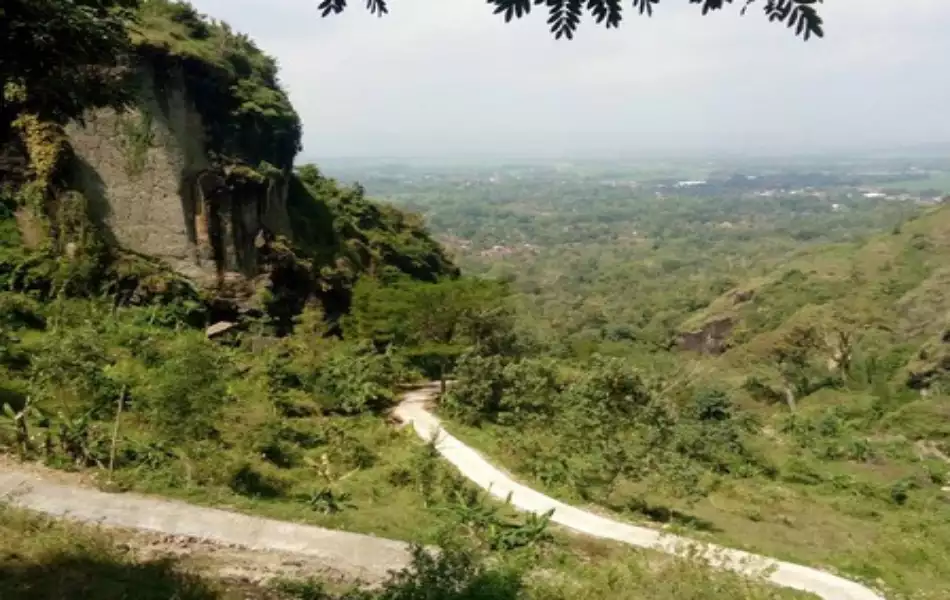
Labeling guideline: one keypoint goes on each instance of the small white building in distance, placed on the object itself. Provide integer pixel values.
(690, 183)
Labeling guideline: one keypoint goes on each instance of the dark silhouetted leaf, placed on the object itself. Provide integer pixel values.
(564, 16)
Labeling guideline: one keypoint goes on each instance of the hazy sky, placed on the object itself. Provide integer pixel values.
(447, 77)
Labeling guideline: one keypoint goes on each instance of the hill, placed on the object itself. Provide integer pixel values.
(877, 307)
(128, 229)
(759, 368)
(196, 174)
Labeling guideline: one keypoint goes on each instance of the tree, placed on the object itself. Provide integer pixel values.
(564, 16)
(799, 355)
(434, 322)
(61, 57)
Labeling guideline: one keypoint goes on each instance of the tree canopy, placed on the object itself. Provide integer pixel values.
(564, 16)
(62, 56)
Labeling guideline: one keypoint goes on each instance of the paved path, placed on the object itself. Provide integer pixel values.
(482, 473)
(371, 558)
(358, 556)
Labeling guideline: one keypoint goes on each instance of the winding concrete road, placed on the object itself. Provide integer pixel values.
(475, 468)
(371, 558)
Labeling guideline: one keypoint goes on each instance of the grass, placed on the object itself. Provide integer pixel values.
(837, 514)
(233, 439)
(385, 499)
(41, 559)
(239, 440)
(629, 576)
(47, 560)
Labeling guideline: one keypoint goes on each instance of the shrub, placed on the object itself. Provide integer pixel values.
(355, 380)
(183, 396)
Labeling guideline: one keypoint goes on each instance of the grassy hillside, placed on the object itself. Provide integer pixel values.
(878, 307)
(105, 360)
(806, 436)
(852, 480)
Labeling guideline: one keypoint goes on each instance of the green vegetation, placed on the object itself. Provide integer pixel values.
(45, 560)
(63, 56)
(934, 182)
(340, 234)
(568, 242)
(433, 325)
(832, 484)
(139, 136)
(759, 360)
(285, 427)
(248, 117)
(766, 356)
(53, 561)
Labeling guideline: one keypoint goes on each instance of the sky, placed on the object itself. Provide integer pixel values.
(449, 78)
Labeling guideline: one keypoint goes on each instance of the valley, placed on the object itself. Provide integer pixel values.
(206, 336)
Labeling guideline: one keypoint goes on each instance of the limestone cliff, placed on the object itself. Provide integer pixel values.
(196, 172)
(151, 181)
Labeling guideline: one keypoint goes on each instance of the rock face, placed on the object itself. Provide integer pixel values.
(932, 364)
(711, 338)
(150, 182)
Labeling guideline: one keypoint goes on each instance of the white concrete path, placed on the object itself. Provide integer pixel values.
(483, 474)
(359, 556)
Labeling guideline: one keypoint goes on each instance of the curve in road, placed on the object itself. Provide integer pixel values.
(472, 466)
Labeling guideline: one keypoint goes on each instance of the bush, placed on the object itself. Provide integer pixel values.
(248, 480)
(69, 371)
(455, 573)
(356, 380)
(479, 385)
(20, 311)
(508, 392)
(183, 396)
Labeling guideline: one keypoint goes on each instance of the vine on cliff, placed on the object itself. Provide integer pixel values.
(46, 144)
(138, 137)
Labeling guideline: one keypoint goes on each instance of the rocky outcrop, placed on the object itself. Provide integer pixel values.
(931, 366)
(711, 338)
(153, 186)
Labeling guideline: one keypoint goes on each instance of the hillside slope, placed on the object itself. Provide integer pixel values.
(849, 305)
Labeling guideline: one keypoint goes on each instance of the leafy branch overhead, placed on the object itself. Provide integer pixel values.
(564, 16)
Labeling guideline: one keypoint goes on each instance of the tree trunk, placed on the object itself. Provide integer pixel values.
(115, 431)
(22, 432)
(790, 398)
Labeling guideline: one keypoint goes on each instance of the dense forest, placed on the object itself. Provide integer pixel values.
(768, 371)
